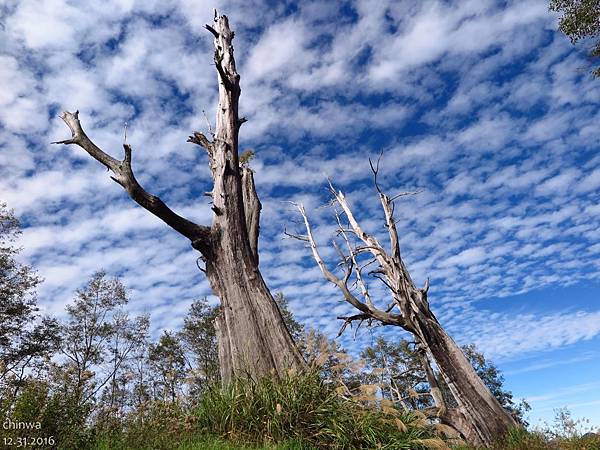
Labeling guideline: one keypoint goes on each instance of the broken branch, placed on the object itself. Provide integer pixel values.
(123, 175)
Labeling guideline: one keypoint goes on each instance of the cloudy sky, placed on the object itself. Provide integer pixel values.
(481, 105)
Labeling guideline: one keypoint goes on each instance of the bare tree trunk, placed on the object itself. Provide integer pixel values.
(253, 338)
(479, 417)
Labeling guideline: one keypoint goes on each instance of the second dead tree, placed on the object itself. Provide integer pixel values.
(479, 417)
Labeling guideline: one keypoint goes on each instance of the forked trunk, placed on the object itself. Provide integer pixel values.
(253, 338)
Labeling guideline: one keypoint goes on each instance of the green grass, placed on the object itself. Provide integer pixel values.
(199, 442)
(214, 443)
(305, 409)
(521, 439)
(299, 412)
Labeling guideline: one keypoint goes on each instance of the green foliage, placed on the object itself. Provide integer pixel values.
(59, 416)
(580, 20)
(200, 339)
(304, 408)
(158, 425)
(167, 361)
(396, 366)
(246, 157)
(97, 341)
(26, 338)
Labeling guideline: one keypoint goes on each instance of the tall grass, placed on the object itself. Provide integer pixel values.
(298, 412)
(302, 407)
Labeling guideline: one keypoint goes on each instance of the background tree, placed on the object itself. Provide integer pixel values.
(397, 368)
(580, 20)
(252, 337)
(127, 338)
(167, 362)
(200, 341)
(26, 338)
(98, 339)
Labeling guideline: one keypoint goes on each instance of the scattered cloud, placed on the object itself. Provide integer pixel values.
(479, 104)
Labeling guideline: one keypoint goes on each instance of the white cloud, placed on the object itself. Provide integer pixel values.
(475, 102)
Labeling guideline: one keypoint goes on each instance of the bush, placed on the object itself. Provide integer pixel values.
(62, 423)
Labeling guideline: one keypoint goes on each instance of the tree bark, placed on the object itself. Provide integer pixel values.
(253, 338)
(480, 417)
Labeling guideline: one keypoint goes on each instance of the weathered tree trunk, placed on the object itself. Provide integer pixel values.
(452, 417)
(253, 338)
(479, 417)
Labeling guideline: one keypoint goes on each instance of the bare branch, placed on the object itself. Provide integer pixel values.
(391, 226)
(370, 241)
(434, 386)
(348, 321)
(425, 288)
(214, 32)
(369, 311)
(210, 130)
(224, 78)
(359, 280)
(326, 272)
(201, 140)
(123, 174)
(252, 208)
(299, 237)
(200, 258)
(375, 171)
(405, 194)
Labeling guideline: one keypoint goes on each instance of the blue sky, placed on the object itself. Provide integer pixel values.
(479, 104)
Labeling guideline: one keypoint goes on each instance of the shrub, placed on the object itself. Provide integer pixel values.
(59, 417)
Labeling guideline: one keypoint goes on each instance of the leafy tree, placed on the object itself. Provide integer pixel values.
(200, 339)
(26, 338)
(580, 20)
(98, 340)
(167, 362)
(127, 337)
(295, 328)
(398, 369)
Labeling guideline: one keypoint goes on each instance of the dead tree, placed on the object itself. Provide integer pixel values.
(253, 339)
(479, 417)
